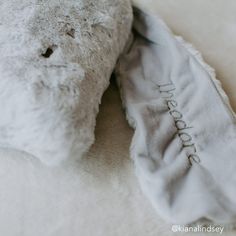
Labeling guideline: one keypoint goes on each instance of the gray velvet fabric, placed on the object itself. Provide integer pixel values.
(185, 135)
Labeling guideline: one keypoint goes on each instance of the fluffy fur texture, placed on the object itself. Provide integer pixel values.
(56, 61)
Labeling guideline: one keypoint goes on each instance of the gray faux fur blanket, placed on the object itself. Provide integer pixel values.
(57, 58)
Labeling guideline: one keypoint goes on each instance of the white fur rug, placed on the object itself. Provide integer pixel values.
(100, 195)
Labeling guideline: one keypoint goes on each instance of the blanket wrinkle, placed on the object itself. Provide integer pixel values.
(178, 109)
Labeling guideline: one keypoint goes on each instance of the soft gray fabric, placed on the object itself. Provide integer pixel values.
(56, 61)
(185, 135)
(58, 198)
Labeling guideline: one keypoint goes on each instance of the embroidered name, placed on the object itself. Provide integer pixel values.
(167, 93)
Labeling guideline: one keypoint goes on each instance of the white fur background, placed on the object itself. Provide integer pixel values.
(100, 195)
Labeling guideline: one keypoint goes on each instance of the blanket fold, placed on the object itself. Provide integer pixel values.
(185, 134)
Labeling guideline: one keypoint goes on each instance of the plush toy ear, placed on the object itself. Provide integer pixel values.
(184, 144)
(56, 61)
